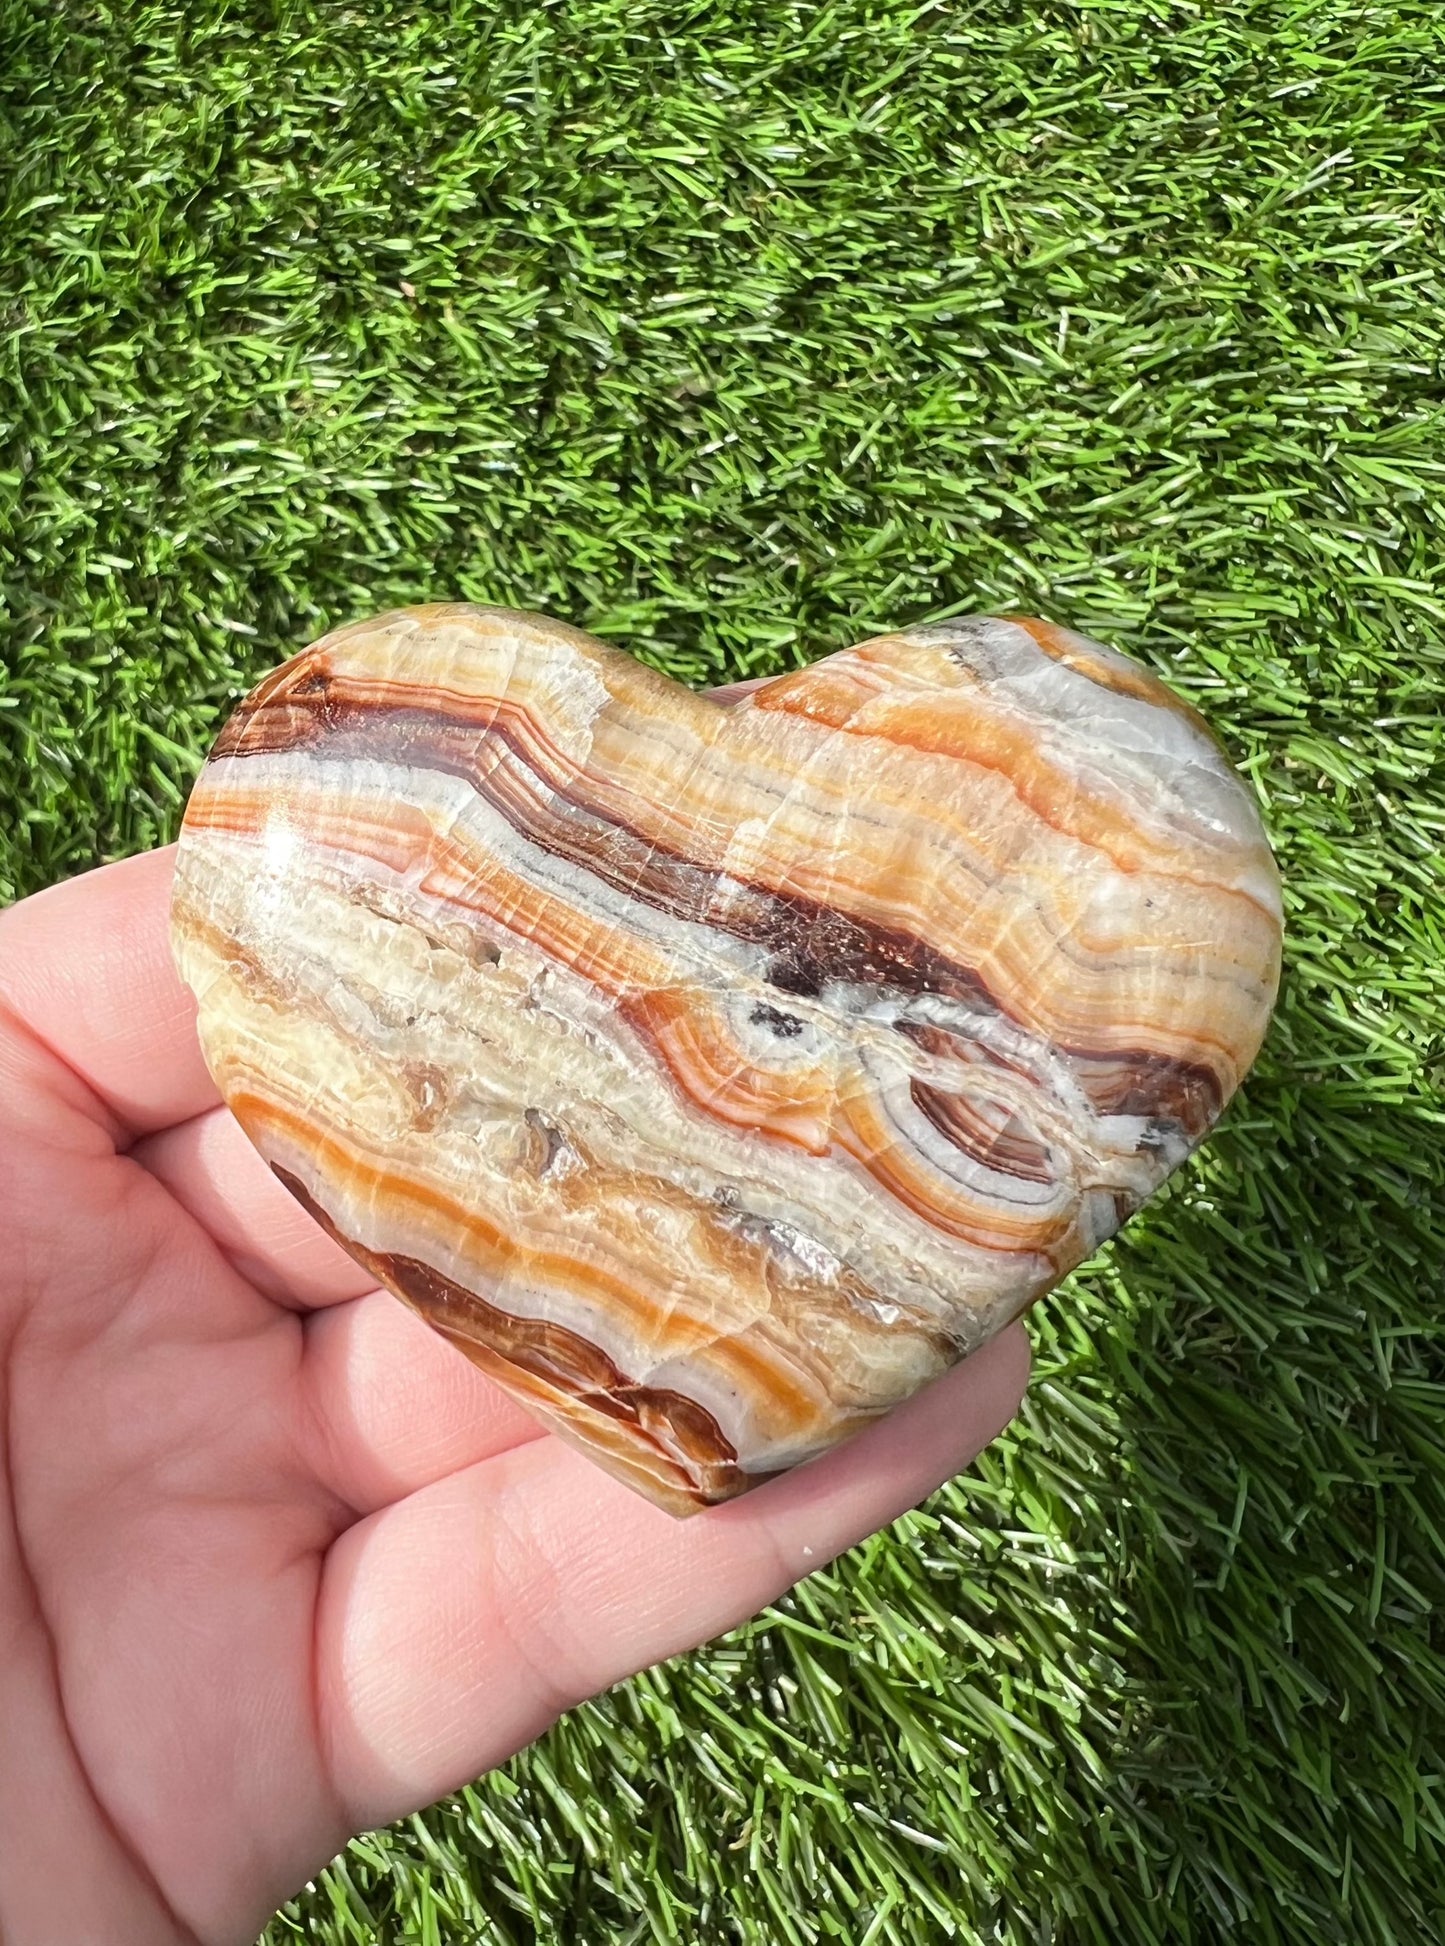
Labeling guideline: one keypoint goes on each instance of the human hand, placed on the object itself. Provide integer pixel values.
(276, 1564)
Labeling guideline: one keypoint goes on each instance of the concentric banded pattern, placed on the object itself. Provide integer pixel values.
(716, 1076)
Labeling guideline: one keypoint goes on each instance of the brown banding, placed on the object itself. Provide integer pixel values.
(1010, 1149)
(809, 943)
(643, 1062)
(682, 1435)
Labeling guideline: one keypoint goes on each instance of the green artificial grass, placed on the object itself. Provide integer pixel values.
(735, 331)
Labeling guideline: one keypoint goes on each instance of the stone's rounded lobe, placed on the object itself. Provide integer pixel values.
(715, 1076)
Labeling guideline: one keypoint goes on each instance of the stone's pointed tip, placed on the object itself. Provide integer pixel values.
(714, 1077)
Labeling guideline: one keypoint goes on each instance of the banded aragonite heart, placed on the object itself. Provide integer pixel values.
(717, 1075)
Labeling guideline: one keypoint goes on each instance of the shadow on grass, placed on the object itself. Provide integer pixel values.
(1263, 1352)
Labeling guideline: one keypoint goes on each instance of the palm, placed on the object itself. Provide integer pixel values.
(281, 1564)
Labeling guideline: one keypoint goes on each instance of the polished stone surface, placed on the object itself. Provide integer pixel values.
(716, 1075)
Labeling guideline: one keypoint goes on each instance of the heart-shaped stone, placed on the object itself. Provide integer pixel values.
(716, 1075)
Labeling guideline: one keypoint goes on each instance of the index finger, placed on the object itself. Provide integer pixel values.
(86, 971)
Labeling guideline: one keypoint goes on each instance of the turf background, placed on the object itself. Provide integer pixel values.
(735, 331)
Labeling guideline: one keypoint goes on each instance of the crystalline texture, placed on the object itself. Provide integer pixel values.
(715, 1076)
